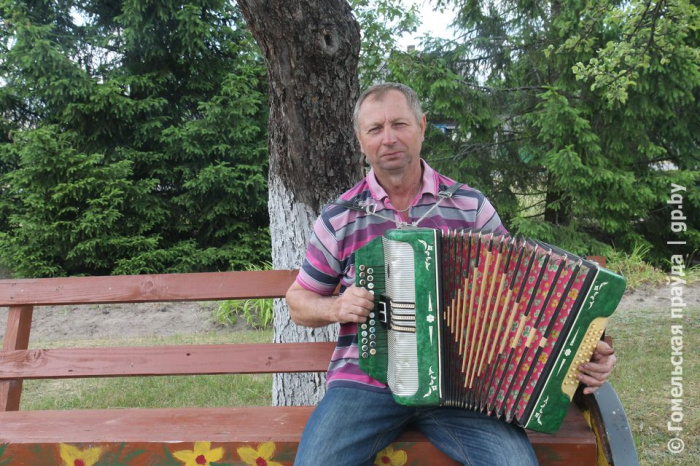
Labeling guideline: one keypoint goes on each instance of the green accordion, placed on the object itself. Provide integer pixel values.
(481, 321)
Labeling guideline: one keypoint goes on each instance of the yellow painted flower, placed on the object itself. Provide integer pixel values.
(260, 456)
(73, 456)
(202, 454)
(391, 457)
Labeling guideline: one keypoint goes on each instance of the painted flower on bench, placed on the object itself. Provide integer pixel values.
(74, 456)
(260, 456)
(391, 457)
(201, 455)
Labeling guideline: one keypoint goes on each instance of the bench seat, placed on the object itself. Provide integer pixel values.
(33, 437)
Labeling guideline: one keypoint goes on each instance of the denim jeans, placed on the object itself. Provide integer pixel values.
(350, 426)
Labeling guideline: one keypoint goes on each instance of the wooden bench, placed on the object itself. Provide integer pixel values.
(155, 436)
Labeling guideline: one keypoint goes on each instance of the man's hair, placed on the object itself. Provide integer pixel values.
(378, 91)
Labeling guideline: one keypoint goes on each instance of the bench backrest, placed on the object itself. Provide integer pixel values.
(17, 362)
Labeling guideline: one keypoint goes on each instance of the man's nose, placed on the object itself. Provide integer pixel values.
(388, 136)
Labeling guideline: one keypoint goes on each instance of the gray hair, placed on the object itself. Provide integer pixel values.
(378, 91)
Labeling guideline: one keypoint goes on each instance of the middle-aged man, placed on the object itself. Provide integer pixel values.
(358, 416)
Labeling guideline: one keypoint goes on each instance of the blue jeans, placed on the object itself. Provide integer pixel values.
(350, 426)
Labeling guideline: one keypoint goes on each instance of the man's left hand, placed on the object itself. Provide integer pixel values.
(597, 371)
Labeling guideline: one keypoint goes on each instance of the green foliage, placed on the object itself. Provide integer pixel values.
(577, 119)
(257, 313)
(382, 23)
(133, 138)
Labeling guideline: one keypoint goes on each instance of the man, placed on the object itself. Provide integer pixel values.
(358, 416)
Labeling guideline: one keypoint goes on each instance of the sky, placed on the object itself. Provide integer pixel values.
(435, 23)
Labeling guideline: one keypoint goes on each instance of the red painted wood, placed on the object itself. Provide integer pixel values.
(574, 445)
(19, 324)
(166, 360)
(599, 259)
(149, 454)
(146, 288)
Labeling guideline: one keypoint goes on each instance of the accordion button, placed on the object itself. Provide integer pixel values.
(372, 337)
(363, 326)
(371, 330)
(372, 322)
(365, 355)
(364, 341)
(373, 352)
(370, 286)
(370, 270)
(372, 315)
(370, 278)
(363, 267)
(372, 344)
(362, 282)
(364, 347)
(364, 333)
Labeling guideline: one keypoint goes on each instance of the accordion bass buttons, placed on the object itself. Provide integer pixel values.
(586, 348)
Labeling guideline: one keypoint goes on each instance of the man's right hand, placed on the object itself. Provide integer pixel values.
(310, 309)
(354, 305)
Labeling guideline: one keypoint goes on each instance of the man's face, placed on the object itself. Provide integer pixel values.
(389, 135)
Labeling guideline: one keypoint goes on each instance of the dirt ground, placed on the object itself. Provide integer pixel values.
(163, 319)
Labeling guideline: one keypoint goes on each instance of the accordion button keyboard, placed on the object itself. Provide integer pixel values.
(584, 354)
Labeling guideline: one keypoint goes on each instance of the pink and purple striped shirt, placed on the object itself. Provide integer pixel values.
(339, 232)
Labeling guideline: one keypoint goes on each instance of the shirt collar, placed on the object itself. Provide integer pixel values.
(430, 183)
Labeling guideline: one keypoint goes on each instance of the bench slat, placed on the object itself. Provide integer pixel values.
(254, 358)
(19, 324)
(209, 286)
(574, 445)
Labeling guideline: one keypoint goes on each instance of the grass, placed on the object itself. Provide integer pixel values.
(642, 379)
(257, 313)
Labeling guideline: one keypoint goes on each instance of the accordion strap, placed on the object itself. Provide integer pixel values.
(370, 208)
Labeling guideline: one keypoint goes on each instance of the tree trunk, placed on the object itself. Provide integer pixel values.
(311, 48)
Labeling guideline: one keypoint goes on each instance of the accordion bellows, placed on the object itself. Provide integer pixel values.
(479, 321)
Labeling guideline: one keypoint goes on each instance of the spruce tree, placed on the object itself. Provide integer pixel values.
(134, 138)
(575, 118)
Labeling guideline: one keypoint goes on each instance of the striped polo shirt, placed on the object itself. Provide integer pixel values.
(339, 232)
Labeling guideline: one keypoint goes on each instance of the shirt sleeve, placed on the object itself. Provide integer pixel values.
(487, 219)
(321, 269)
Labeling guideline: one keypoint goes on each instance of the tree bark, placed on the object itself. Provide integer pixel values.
(311, 48)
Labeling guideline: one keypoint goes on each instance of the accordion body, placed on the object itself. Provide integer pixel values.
(480, 321)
